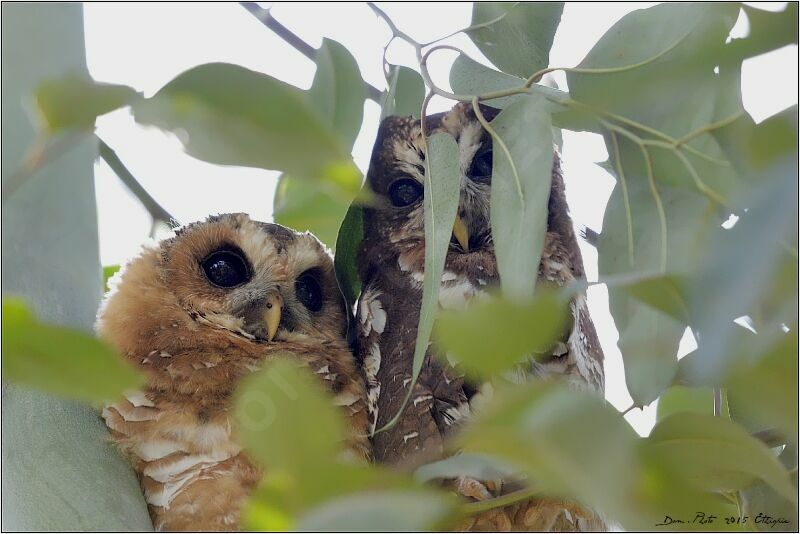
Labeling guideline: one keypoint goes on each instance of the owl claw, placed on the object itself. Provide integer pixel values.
(469, 487)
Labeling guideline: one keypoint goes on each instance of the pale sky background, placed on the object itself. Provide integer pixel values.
(145, 45)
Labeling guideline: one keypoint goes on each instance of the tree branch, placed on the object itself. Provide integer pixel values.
(266, 18)
(154, 208)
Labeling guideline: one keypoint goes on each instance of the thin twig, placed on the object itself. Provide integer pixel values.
(717, 402)
(157, 212)
(501, 501)
(629, 408)
(266, 18)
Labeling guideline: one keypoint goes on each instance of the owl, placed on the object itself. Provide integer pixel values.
(196, 314)
(391, 266)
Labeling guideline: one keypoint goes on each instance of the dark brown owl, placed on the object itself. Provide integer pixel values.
(391, 265)
(196, 314)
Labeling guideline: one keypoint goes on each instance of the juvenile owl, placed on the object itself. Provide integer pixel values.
(196, 314)
(391, 265)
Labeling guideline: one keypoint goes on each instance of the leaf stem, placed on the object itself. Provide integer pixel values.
(157, 212)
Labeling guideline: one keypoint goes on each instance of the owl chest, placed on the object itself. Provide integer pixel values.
(174, 446)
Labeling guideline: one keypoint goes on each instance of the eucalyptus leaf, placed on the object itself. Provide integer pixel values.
(405, 94)
(767, 510)
(679, 399)
(715, 454)
(284, 418)
(61, 360)
(442, 185)
(570, 442)
(395, 511)
(338, 90)
(229, 115)
(493, 335)
(521, 176)
(75, 101)
(305, 206)
(348, 241)
(519, 40)
(477, 466)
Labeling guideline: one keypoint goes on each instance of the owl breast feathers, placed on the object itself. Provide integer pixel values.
(391, 266)
(196, 314)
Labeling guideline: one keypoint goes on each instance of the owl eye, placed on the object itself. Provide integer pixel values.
(225, 268)
(481, 168)
(404, 192)
(308, 291)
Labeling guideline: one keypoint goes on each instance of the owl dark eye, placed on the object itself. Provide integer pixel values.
(404, 192)
(308, 291)
(481, 168)
(225, 268)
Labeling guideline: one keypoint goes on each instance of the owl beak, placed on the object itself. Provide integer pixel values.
(272, 315)
(461, 233)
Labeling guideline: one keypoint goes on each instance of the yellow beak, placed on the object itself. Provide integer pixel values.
(272, 315)
(461, 233)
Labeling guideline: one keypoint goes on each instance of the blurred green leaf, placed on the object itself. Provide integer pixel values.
(108, 272)
(75, 101)
(715, 454)
(519, 42)
(338, 90)
(769, 511)
(760, 396)
(521, 177)
(679, 399)
(229, 115)
(664, 293)
(569, 441)
(60, 360)
(477, 466)
(405, 95)
(768, 30)
(492, 335)
(348, 241)
(305, 205)
(284, 418)
(395, 511)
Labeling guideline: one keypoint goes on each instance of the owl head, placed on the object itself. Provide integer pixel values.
(397, 176)
(227, 278)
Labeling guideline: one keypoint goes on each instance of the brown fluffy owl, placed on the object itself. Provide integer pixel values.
(391, 265)
(196, 314)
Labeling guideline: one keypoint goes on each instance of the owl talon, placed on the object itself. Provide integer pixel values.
(469, 487)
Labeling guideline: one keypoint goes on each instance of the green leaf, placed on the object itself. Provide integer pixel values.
(338, 90)
(759, 395)
(769, 511)
(664, 293)
(108, 272)
(521, 174)
(651, 55)
(442, 185)
(715, 454)
(60, 360)
(492, 335)
(305, 205)
(75, 101)
(405, 95)
(396, 511)
(229, 115)
(519, 42)
(679, 399)
(477, 466)
(570, 442)
(285, 419)
(649, 338)
(351, 232)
